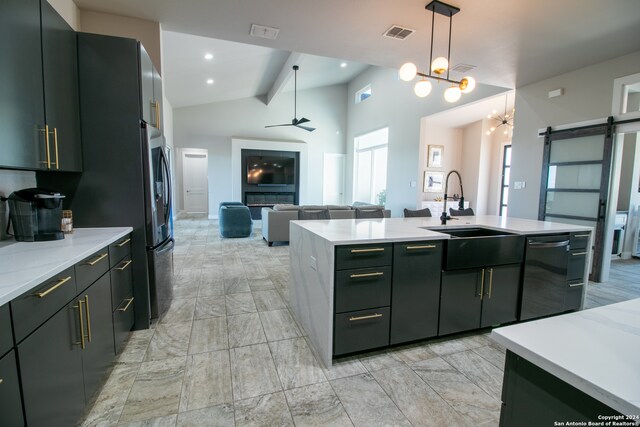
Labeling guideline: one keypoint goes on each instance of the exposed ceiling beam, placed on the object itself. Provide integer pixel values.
(284, 75)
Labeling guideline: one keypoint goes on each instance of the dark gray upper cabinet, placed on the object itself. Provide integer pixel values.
(39, 112)
(146, 78)
(151, 90)
(416, 290)
(21, 90)
(60, 72)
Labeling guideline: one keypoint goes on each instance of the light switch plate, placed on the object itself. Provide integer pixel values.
(412, 184)
(313, 264)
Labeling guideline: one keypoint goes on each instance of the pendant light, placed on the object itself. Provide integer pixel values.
(439, 66)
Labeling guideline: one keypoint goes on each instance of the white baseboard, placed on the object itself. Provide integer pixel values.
(213, 216)
(625, 255)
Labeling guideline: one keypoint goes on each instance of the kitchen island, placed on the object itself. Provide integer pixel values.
(580, 366)
(346, 273)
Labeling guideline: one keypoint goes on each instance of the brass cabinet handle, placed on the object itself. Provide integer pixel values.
(360, 251)
(130, 300)
(490, 281)
(153, 107)
(581, 235)
(97, 260)
(481, 285)
(356, 276)
(79, 307)
(421, 247)
(86, 306)
(578, 253)
(1, 380)
(576, 284)
(126, 264)
(53, 288)
(124, 242)
(371, 316)
(158, 114)
(55, 146)
(46, 145)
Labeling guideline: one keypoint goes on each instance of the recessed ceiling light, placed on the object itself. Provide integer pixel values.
(208, 56)
(343, 65)
(209, 81)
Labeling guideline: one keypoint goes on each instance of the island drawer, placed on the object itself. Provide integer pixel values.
(91, 268)
(361, 330)
(119, 250)
(363, 288)
(579, 240)
(123, 322)
(361, 256)
(576, 264)
(6, 335)
(31, 309)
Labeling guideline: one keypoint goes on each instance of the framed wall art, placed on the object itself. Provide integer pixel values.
(433, 181)
(435, 154)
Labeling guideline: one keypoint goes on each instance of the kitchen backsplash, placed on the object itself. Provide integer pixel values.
(11, 181)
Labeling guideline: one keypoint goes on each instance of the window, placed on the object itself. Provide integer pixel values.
(370, 167)
(363, 94)
(506, 173)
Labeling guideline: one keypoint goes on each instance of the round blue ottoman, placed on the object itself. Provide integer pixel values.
(235, 220)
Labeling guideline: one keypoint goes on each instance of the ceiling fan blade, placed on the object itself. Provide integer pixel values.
(275, 126)
(303, 120)
(307, 128)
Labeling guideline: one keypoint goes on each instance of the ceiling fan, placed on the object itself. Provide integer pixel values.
(295, 121)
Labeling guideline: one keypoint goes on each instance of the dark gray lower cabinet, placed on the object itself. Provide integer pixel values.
(122, 301)
(10, 405)
(6, 336)
(64, 361)
(416, 291)
(475, 298)
(51, 370)
(460, 303)
(500, 299)
(99, 351)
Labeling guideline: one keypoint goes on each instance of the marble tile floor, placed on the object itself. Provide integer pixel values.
(229, 353)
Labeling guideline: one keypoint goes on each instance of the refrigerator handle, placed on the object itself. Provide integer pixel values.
(165, 167)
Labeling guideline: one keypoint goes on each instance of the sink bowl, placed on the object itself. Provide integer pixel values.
(473, 247)
(474, 232)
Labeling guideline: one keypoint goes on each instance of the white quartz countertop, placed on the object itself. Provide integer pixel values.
(596, 351)
(354, 231)
(25, 265)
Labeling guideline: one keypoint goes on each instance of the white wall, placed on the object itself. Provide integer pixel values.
(147, 32)
(451, 140)
(498, 141)
(69, 12)
(213, 126)
(393, 104)
(588, 95)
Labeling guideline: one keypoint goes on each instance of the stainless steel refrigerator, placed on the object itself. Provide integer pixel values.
(126, 180)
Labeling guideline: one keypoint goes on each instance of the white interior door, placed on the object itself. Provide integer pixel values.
(333, 179)
(194, 178)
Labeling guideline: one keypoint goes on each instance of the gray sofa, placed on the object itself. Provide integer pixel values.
(275, 222)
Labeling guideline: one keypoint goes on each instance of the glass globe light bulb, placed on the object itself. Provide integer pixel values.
(408, 71)
(440, 65)
(488, 133)
(469, 84)
(492, 129)
(422, 88)
(506, 131)
(452, 94)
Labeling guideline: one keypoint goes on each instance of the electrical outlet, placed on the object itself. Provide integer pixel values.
(412, 184)
(517, 185)
(313, 264)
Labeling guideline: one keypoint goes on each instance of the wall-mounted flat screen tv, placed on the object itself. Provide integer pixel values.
(263, 170)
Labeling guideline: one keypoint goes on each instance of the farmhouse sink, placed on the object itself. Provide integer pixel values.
(473, 247)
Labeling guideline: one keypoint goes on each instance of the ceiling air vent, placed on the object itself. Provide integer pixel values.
(397, 32)
(462, 68)
(264, 31)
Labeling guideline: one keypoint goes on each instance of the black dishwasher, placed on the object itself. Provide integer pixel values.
(545, 276)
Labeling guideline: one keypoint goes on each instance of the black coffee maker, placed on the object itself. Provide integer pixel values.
(36, 215)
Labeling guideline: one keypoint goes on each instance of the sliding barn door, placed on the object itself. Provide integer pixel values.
(575, 181)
